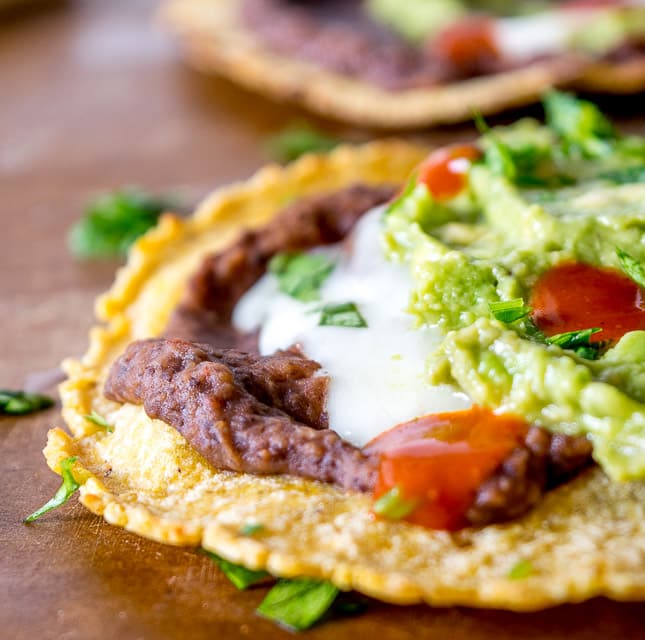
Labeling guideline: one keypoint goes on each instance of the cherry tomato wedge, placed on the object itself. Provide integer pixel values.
(467, 43)
(445, 170)
(576, 296)
(438, 461)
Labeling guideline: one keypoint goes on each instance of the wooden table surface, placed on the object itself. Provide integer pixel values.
(92, 97)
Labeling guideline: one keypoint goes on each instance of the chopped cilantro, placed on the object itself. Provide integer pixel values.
(345, 314)
(509, 311)
(99, 421)
(240, 576)
(579, 123)
(113, 222)
(298, 604)
(251, 528)
(393, 506)
(300, 275)
(520, 570)
(579, 342)
(632, 267)
(627, 175)
(19, 403)
(64, 492)
(497, 155)
(297, 140)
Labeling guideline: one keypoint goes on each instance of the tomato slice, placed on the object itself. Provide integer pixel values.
(445, 170)
(438, 461)
(467, 43)
(575, 296)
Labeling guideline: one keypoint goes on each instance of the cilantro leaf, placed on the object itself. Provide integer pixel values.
(297, 140)
(627, 175)
(240, 576)
(579, 122)
(393, 506)
(497, 155)
(300, 275)
(631, 267)
(579, 342)
(509, 311)
(520, 570)
(113, 222)
(251, 528)
(298, 604)
(64, 492)
(407, 190)
(19, 403)
(345, 314)
(99, 421)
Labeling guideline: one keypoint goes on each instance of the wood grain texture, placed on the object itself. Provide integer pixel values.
(93, 98)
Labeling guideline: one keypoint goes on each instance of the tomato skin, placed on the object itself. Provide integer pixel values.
(440, 461)
(574, 296)
(466, 43)
(444, 171)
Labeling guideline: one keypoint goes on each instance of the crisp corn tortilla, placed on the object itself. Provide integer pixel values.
(215, 42)
(585, 539)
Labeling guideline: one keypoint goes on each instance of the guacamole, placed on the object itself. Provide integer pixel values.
(569, 192)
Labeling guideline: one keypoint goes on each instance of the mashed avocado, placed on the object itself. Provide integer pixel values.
(571, 191)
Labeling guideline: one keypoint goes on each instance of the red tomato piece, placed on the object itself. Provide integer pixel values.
(440, 460)
(444, 170)
(576, 296)
(467, 43)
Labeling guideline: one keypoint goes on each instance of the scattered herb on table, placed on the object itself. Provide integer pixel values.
(300, 275)
(240, 576)
(297, 140)
(298, 604)
(19, 403)
(113, 221)
(345, 314)
(64, 493)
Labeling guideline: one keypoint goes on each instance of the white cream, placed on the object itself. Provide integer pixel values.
(376, 373)
(548, 32)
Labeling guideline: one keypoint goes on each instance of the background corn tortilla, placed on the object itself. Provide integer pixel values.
(585, 539)
(214, 41)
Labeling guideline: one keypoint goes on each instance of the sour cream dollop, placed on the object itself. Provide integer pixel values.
(377, 373)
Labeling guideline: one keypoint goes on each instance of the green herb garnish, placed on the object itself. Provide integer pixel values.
(631, 267)
(579, 123)
(251, 528)
(407, 190)
(345, 314)
(300, 275)
(497, 155)
(509, 311)
(393, 506)
(240, 576)
(113, 222)
(64, 492)
(628, 175)
(19, 403)
(520, 570)
(99, 421)
(297, 140)
(579, 342)
(298, 604)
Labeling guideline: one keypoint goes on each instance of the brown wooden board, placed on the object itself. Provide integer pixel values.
(93, 97)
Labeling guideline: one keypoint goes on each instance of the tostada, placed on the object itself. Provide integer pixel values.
(386, 63)
(407, 373)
